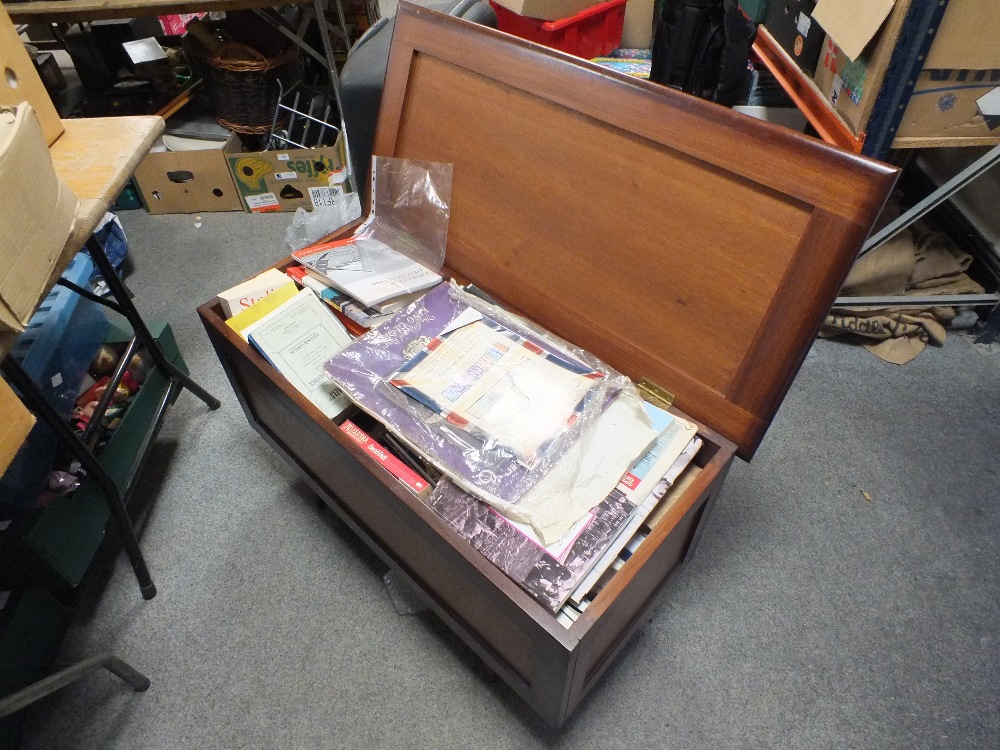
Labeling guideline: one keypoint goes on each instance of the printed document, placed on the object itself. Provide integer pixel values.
(484, 378)
(298, 338)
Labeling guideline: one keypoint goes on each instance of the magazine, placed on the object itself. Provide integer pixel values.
(551, 574)
(366, 269)
(297, 338)
(485, 379)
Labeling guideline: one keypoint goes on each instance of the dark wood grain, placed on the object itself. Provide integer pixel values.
(661, 232)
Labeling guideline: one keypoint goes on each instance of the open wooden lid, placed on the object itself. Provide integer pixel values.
(675, 239)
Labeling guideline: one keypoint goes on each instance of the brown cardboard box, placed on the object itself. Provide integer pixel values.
(19, 81)
(36, 216)
(547, 10)
(15, 424)
(961, 66)
(186, 182)
(637, 31)
(943, 105)
(286, 180)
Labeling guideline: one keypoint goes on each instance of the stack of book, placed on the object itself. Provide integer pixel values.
(546, 460)
(364, 280)
(576, 514)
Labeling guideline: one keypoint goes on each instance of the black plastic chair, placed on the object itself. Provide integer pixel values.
(363, 76)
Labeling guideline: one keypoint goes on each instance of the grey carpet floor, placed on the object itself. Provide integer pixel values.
(809, 617)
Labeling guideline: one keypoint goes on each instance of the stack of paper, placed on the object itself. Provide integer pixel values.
(369, 271)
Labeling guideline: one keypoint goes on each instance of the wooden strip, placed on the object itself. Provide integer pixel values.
(806, 293)
(806, 94)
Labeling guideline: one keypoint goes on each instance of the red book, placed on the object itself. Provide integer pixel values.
(393, 465)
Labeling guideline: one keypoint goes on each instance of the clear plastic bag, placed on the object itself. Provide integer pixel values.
(405, 600)
(309, 226)
(411, 205)
(487, 468)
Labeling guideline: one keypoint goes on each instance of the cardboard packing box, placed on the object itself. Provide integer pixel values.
(287, 180)
(187, 182)
(20, 81)
(962, 66)
(37, 218)
(15, 424)
(547, 10)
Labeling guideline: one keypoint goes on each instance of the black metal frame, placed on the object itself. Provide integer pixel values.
(81, 448)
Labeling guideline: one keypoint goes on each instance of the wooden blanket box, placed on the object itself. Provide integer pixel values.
(675, 239)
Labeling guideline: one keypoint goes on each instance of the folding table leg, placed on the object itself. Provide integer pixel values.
(37, 401)
(127, 308)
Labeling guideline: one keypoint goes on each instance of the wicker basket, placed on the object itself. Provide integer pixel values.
(243, 84)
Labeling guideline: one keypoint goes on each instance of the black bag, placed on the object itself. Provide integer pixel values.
(702, 47)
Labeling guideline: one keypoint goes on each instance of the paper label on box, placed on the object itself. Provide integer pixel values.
(324, 196)
(285, 175)
(838, 85)
(282, 157)
(989, 107)
(263, 202)
(802, 24)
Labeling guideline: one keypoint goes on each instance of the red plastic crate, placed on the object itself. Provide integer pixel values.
(593, 32)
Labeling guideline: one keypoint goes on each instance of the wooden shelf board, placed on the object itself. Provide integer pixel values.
(96, 156)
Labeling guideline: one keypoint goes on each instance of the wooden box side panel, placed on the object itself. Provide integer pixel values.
(621, 609)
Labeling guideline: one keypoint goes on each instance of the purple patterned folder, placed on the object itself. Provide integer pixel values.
(549, 580)
(363, 369)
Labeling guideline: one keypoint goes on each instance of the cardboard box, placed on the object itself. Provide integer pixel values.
(36, 220)
(15, 424)
(852, 23)
(185, 182)
(637, 31)
(792, 26)
(286, 180)
(943, 105)
(547, 10)
(962, 66)
(20, 82)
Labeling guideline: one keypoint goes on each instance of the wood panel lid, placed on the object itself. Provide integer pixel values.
(675, 239)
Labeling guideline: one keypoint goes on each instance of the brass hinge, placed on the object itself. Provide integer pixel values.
(655, 394)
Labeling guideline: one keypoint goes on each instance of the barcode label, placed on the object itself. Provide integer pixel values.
(285, 175)
(323, 196)
(263, 202)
